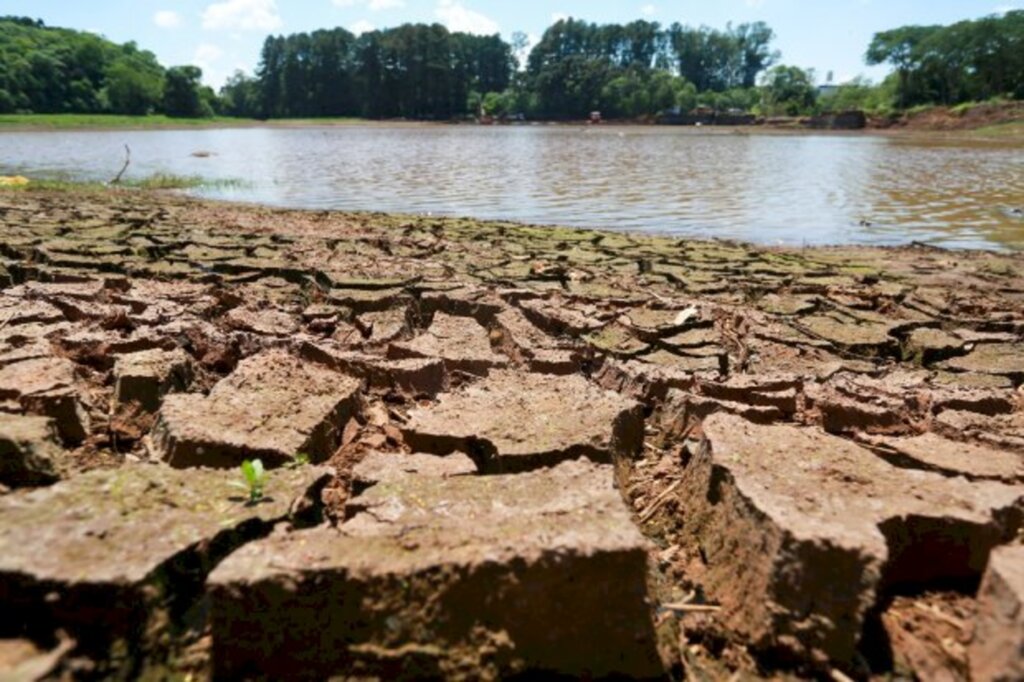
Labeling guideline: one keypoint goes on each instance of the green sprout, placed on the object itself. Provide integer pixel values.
(255, 479)
(300, 459)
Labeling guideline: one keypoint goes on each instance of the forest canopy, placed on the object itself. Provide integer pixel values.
(424, 71)
(48, 70)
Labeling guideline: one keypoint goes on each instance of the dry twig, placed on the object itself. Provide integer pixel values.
(127, 160)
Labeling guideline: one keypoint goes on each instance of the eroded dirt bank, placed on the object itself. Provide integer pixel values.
(532, 450)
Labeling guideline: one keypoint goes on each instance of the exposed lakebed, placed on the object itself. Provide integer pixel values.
(535, 450)
(791, 189)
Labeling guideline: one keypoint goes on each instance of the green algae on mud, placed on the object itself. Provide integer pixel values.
(156, 181)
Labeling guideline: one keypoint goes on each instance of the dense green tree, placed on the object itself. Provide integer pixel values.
(183, 94)
(134, 82)
(240, 96)
(722, 60)
(788, 90)
(968, 60)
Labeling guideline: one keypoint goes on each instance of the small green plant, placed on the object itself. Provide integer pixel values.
(300, 459)
(255, 479)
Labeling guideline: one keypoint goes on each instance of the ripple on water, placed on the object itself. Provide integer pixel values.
(791, 189)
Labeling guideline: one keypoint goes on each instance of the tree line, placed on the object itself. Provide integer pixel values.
(966, 61)
(412, 71)
(634, 70)
(424, 71)
(57, 70)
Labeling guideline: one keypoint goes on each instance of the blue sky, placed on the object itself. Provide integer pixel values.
(223, 35)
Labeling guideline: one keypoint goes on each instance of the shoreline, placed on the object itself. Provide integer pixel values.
(1004, 131)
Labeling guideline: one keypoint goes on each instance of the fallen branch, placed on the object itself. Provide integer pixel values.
(658, 501)
(127, 160)
(684, 607)
(941, 615)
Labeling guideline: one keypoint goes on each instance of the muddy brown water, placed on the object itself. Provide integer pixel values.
(765, 188)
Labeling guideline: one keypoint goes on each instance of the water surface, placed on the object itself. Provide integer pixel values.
(765, 188)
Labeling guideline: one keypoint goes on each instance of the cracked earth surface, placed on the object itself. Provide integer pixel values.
(531, 450)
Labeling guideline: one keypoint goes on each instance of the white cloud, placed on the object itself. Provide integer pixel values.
(206, 56)
(458, 18)
(648, 10)
(362, 26)
(372, 5)
(243, 15)
(165, 18)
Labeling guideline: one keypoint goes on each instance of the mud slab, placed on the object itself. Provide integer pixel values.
(381, 467)
(273, 406)
(102, 554)
(460, 342)
(29, 451)
(516, 421)
(819, 528)
(452, 577)
(997, 650)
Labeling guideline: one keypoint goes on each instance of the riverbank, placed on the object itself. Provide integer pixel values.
(985, 119)
(609, 438)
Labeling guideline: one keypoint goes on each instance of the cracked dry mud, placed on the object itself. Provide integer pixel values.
(533, 450)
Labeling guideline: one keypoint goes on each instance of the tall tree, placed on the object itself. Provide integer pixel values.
(182, 92)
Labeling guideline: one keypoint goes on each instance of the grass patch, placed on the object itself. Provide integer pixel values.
(1010, 130)
(73, 121)
(116, 121)
(158, 181)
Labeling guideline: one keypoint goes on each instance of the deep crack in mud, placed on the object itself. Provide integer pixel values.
(534, 450)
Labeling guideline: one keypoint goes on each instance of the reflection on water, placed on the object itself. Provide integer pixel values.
(790, 189)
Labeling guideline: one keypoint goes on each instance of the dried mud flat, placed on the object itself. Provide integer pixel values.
(533, 450)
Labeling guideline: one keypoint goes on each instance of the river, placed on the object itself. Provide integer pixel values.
(788, 189)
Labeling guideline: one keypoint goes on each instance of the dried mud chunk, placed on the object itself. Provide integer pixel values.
(29, 452)
(556, 316)
(514, 421)
(459, 341)
(369, 300)
(996, 653)
(713, 362)
(1005, 359)
(927, 345)
(413, 376)
(115, 541)
(862, 338)
(377, 467)
(384, 326)
(765, 390)
(856, 403)
(802, 531)
(518, 338)
(951, 458)
(617, 340)
(46, 386)
(466, 576)
(268, 322)
(273, 406)
(146, 376)
(16, 311)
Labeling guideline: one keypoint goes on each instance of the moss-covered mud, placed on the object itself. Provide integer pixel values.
(800, 461)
